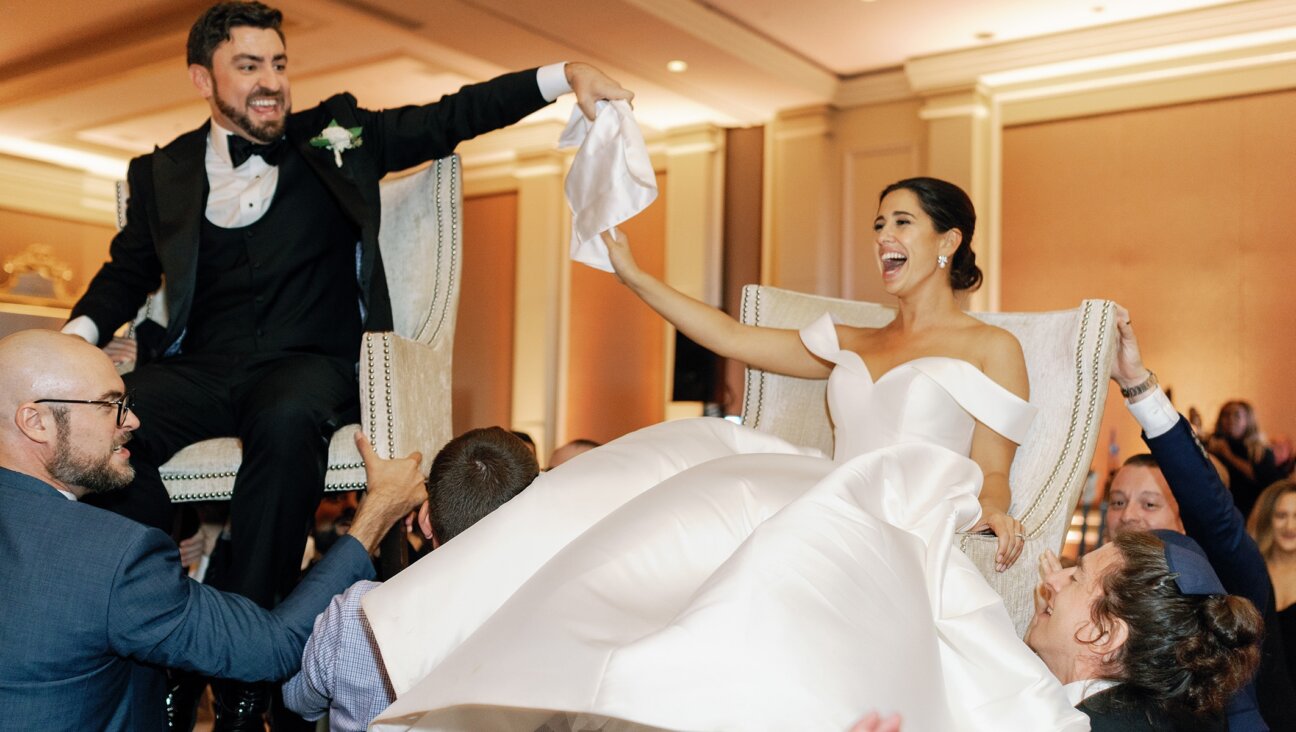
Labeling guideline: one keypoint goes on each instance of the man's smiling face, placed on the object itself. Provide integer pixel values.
(247, 84)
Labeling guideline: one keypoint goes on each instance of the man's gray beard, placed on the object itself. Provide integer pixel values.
(268, 132)
(69, 466)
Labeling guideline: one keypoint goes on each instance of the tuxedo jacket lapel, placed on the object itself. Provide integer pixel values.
(341, 181)
(180, 190)
(354, 184)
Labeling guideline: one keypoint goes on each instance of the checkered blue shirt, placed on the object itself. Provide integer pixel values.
(342, 671)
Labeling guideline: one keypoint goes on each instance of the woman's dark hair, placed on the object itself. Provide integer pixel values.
(213, 27)
(1183, 652)
(949, 208)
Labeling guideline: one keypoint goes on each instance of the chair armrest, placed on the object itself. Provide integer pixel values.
(404, 395)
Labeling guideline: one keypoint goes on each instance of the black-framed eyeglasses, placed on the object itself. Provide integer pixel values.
(123, 405)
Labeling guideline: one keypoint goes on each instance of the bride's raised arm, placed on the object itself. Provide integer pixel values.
(769, 349)
(1004, 363)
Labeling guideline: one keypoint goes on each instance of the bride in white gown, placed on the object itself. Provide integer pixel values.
(698, 575)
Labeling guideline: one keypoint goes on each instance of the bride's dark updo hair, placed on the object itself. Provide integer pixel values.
(1183, 652)
(949, 208)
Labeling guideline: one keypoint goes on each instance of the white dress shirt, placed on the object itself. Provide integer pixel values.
(1154, 413)
(1078, 691)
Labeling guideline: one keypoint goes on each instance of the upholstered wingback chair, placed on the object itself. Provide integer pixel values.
(404, 375)
(1068, 359)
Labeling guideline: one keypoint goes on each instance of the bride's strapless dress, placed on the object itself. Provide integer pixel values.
(698, 575)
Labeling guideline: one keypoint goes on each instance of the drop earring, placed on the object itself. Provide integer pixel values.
(941, 261)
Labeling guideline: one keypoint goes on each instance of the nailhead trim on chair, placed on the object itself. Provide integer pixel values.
(387, 392)
(368, 349)
(1033, 529)
(754, 385)
(454, 262)
(1094, 388)
(122, 190)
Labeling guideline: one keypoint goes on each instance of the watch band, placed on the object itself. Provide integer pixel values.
(1146, 385)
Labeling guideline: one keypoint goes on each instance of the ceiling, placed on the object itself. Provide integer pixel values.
(109, 78)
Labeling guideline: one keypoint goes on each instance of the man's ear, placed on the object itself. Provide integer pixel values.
(1109, 644)
(202, 80)
(35, 423)
(425, 523)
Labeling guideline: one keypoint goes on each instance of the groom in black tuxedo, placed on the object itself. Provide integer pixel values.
(264, 223)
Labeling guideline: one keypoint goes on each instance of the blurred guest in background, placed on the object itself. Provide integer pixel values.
(1273, 526)
(1238, 444)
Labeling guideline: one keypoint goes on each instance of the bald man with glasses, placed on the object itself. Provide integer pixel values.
(96, 605)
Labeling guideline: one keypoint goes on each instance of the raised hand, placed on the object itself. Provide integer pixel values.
(590, 85)
(396, 487)
(619, 254)
(1128, 369)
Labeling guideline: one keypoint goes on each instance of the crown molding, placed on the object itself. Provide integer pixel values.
(49, 190)
(1251, 18)
(879, 87)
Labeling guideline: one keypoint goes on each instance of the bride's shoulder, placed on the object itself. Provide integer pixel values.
(1000, 356)
(997, 341)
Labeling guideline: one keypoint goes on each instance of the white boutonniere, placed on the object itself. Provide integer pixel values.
(337, 138)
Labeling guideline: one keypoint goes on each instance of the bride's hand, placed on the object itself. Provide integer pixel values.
(1011, 533)
(619, 253)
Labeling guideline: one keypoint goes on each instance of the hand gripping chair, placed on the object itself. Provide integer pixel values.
(1068, 359)
(405, 375)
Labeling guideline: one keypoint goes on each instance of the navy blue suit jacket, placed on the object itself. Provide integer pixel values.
(94, 606)
(1210, 517)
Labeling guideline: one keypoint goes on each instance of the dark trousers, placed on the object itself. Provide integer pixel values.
(284, 407)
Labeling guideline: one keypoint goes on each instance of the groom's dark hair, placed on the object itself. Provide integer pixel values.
(213, 27)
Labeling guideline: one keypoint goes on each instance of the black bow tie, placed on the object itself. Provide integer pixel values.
(240, 149)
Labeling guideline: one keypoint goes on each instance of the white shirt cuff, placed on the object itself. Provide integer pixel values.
(552, 80)
(83, 326)
(1154, 413)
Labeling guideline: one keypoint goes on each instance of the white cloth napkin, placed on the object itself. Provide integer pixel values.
(611, 179)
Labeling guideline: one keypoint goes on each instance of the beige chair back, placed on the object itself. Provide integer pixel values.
(1068, 359)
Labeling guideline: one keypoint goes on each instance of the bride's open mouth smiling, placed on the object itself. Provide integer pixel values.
(892, 262)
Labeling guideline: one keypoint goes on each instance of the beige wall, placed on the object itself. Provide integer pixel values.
(877, 145)
(824, 169)
(616, 372)
(482, 383)
(1185, 215)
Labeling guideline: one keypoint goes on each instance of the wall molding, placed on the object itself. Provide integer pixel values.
(61, 193)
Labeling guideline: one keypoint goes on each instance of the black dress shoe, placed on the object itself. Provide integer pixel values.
(239, 707)
(184, 689)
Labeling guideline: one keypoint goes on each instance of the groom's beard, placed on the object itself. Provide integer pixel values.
(265, 132)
